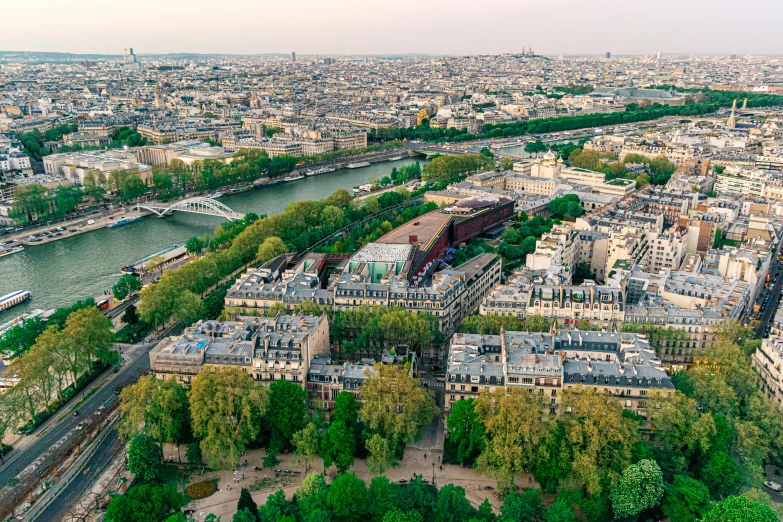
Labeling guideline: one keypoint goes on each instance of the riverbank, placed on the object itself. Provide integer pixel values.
(81, 225)
(85, 265)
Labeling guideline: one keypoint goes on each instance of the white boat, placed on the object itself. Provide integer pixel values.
(396, 158)
(9, 251)
(293, 178)
(358, 165)
(32, 314)
(14, 298)
(322, 170)
(215, 195)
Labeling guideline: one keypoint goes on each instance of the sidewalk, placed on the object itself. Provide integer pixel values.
(263, 483)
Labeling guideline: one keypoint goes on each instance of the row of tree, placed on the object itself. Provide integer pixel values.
(451, 166)
(710, 102)
(225, 412)
(53, 362)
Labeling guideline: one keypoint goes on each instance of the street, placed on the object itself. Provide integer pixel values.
(773, 292)
(105, 396)
(103, 454)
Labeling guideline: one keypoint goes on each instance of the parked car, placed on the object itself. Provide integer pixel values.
(774, 486)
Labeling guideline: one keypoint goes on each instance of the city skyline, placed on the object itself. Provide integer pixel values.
(436, 27)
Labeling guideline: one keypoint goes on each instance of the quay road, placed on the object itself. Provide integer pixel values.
(63, 423)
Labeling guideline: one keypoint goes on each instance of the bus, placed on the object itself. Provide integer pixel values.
(102, 305)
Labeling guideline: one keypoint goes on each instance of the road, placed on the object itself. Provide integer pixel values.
(772, 304)
(138, 364)
(103, 454)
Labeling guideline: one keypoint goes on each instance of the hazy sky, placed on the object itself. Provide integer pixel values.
(398, 26)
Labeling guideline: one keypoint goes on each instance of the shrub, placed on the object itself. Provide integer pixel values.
(201, 490)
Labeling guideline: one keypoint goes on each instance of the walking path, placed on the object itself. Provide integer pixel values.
(263, 483)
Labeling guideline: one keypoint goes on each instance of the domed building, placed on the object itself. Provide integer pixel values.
(547, 167)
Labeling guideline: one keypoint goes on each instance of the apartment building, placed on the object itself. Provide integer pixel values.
(767, 360)
(666, 250)
(746, 182)
(557, 247)
(374, 277)
(268, 348)
(546, 364)
(601, 306)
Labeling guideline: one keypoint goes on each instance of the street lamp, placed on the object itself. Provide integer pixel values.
(433, 473)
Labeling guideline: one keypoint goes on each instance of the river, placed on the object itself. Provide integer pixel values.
(86, 265)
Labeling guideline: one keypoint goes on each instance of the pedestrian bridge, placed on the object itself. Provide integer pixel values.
(198, 205)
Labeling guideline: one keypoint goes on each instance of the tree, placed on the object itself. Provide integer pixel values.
(466, 431)
(21, 337)
(338, 446)
(132, 187)
(126, 286)
(67, 199)
(721, 475)
(640, 488)
(193, 453)
(686, 499)
(740, 508)
(560, 512)
(526, 507)
(246, 502)
(271, 248)
(194, 245)
(332, 216)
(451, 505)
(347, 498)
(287, 409)
(94, 185)
(187, 307)
(245, 515)
(144, 457)
(380, 454)
(312, 485)
(156, 407)
(512, 420)
(144, 503)
(129, 316)
(599, 436)
(506, 164)
(396, 515)
(224, 403)
(395, 406)
(307, 443)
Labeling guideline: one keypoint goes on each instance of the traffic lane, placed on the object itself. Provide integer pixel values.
(93, 468)
(772, 304)
(104, 396)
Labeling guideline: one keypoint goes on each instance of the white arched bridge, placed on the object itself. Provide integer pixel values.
(198, 205)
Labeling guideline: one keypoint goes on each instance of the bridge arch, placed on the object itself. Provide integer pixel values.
(197, 205)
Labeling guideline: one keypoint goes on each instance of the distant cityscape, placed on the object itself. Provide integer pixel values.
(563, 276)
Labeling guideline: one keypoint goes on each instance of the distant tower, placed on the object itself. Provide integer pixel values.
(732, 121)
(658, 56)
(158, 103)
(744, 104)
(129, 59)
(293, 57)
(608, 54)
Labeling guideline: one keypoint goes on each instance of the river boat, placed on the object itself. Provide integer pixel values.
(215, 195)
(164, 256)
(358, 165)
(238, 190)
(293, 178)
(14, 298)
(9, 251)
(32, 314)
(322, 170)
(122, 222)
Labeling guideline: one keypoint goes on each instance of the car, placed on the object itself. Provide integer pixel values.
(76, 413)
(80, 426)
(774, 486)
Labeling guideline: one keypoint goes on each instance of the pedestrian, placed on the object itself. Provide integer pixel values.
(243, 476)
(425, 456)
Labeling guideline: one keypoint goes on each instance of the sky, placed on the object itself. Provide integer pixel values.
(402, 26)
